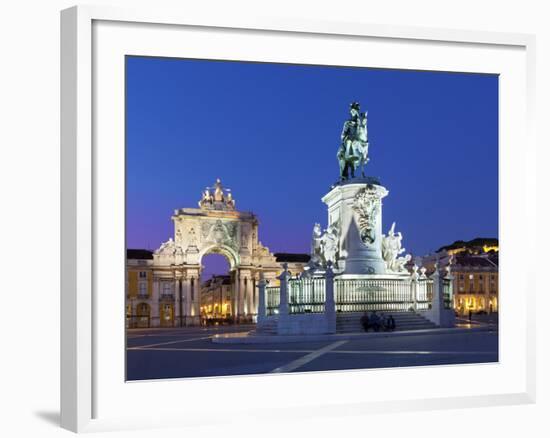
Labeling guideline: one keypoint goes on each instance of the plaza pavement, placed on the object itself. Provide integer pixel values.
(190, 352)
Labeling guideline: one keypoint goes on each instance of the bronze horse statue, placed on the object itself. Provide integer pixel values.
(353, 150)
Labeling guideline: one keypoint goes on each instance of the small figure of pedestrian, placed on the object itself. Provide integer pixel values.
(391, 323)
(383, 322)
(365, 321)
(374, 321)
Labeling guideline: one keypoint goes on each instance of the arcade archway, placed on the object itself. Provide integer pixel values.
(216, 289)
(216, 227)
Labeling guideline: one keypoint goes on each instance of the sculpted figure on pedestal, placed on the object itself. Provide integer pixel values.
(354, 147)
(165, 247)
(206, 199)
(220, 199)
(400, 262)
(392, 249)
(329, 244)
(448, 268)
(316, 250)
(218, 192)
(230, 201)
(169, 248)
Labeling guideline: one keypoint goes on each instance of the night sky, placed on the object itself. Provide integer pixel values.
(271, 132)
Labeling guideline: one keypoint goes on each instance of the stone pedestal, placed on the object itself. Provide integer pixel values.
(355, 209)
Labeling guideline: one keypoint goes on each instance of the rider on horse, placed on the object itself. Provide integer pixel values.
(354, 147)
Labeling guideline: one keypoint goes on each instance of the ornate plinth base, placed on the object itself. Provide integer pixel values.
(355, 209)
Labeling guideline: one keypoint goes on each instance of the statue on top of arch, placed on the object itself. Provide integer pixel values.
(217, 198)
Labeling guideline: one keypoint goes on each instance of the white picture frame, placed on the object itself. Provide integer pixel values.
(93, 398)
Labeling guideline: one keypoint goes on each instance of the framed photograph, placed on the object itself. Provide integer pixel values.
(261, 207)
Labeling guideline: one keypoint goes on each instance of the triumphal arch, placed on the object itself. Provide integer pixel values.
(215, 227)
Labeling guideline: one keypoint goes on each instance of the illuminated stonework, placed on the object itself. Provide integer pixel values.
(172, 296)
(353, 267)
(367, 205)
(355, 206)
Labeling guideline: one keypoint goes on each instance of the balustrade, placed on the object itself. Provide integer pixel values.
(272, 300)
(307, 295)
(360, 295)
(447, 294)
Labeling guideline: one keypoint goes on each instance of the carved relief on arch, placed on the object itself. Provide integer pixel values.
(192, 237)
(187, 234)
(245, 236)
(220, 232)
(254, 237)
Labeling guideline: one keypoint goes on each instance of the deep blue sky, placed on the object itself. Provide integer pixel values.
(271, 132)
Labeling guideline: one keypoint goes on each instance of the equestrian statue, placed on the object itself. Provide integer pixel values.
(354, 146)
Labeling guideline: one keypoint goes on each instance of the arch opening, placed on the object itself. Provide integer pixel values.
(216, 287)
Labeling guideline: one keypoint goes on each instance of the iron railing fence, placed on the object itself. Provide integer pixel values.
(424, 294)
(361, 295)
(272, 300)
(447, 294)
(306, 295)
(429, 290)
(137, 321)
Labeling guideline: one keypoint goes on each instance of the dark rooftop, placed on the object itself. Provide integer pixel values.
(139, 254)
(282, 257)
(481, 262)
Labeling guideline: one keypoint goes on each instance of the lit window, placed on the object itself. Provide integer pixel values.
(167, 312)
(142, 288)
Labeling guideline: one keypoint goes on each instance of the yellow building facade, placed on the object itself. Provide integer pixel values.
(139, 288)
(474, 267)
(217, 293)
(476, 285)
(153, 291)
(217, 299)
